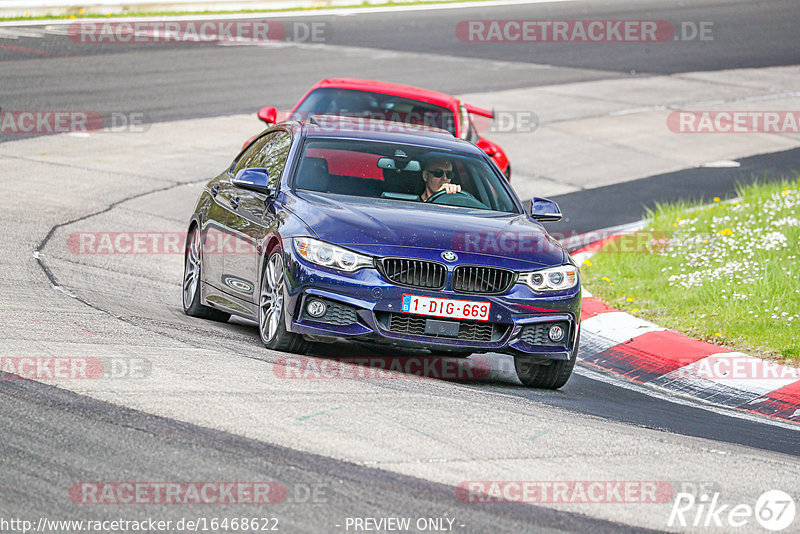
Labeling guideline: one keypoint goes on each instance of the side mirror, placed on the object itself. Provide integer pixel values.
(545, 210)
(487, 146)
(268, 115)
(255, 179)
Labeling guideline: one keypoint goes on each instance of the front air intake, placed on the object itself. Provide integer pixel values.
(482, 280)
(414, 273)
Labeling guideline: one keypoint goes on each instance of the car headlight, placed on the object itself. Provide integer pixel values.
(331, 256)
(552, 279)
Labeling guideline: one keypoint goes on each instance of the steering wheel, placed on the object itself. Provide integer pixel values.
(439, 194)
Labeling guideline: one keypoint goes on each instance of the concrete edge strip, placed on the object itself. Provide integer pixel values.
(643, 352)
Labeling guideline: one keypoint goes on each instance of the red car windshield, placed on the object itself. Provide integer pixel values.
(350, 103)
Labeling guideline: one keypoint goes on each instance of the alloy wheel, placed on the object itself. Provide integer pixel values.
(271, 300)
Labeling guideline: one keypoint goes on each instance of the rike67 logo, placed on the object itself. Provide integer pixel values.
(774, 510)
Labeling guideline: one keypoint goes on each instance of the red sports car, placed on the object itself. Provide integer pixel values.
(390, 101)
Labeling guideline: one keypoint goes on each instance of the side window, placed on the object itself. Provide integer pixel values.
(249, 159)
(269, 152)
(274, 156)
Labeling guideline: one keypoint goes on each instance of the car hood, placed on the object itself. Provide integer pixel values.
(387, 227)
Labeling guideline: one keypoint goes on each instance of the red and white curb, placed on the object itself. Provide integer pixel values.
(646, 353)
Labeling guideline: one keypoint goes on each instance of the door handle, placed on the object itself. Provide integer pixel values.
(235, 202)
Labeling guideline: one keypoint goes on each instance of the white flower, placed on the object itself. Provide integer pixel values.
(786, 221)
(732, 250)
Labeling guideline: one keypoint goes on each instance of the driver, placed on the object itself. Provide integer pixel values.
(437, 175)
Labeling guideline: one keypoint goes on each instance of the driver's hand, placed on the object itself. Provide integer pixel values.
(450, 188)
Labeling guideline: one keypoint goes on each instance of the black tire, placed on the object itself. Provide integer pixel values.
(271, 309)
(552, 375)
(547, 376)
(192, 278)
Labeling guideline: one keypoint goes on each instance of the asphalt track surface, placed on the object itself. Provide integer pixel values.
(50, 437)
(626, 203)
(104, 441)
(169, 81)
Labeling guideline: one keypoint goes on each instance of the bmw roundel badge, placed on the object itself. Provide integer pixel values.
(450, 256)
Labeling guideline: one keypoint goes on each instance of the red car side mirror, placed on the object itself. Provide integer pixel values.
(268, 115)
(487, 146)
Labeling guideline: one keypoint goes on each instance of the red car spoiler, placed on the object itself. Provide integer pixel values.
(479, 111)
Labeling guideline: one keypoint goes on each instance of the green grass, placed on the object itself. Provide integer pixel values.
(82, 15)
(728, 273)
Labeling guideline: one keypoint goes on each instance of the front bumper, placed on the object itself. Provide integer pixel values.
(366, 306)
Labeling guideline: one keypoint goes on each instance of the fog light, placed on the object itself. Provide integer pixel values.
(316, 308)
(556, 333)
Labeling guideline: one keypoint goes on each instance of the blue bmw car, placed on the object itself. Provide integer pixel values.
(388, 234)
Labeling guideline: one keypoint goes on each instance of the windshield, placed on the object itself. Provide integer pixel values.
(347, 102)
(400, 172)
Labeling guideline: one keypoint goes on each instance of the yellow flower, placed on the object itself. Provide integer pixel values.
(634, 310)
(679, 219)
(72, 17)
(607, 279)
(716, 199)
(81, 11)
(611, 283)
(629, 299)
(587, 263)
(718, 334)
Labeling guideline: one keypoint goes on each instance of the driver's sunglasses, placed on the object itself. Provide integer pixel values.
(438, 173)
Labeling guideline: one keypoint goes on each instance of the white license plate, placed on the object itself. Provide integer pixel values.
(454, 309)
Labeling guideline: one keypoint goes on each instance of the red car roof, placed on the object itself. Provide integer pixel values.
(386, 88)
